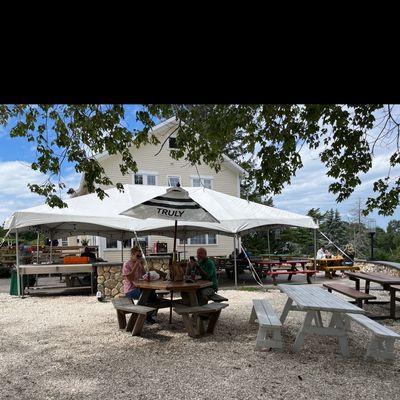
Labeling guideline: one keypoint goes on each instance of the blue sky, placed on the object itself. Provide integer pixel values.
(309, 188)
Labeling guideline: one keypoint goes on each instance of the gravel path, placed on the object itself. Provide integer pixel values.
(71, 348)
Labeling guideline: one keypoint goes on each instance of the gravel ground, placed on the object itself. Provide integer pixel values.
(71, 348)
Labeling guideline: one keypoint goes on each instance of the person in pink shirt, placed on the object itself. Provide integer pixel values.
(133, 270)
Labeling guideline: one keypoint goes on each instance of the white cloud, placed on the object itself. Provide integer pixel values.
(14, 193)
(309, 188)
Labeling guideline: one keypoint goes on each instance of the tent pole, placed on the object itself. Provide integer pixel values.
(51, 248)
(17, 262)
(269, 247)
(315, 249)
(37, 247)
(122, 247)
(174, 256)
(234, 260)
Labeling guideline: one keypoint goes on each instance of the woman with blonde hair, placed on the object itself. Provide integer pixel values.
(133, 270)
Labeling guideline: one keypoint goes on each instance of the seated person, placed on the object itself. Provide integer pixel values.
(191, 268)
(321, 253)
(88, 253)
(133, 270)
(207, 270)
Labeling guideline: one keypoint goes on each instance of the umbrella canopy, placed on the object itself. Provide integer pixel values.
(175, 204)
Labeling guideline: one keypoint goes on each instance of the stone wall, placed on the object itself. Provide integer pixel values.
(370, 267)
(110, 279)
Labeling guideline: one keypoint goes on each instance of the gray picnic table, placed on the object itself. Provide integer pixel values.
(312, 300)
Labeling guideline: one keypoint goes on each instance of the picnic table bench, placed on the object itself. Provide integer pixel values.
(269, 331)
(381, 344)
(124, 306)
(194, 317)
(387, 282)
(350, 292)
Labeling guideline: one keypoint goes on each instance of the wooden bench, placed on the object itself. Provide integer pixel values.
(269, 331)
(329, 271)
(381, 344)
(194, 317)
(124, 306)
(350, 292)
(217, 298)
(273, 274)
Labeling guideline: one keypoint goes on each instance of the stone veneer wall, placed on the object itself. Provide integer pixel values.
(384, 269)
(110, 279)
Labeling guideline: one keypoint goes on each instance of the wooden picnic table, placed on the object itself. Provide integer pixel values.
(312, 300)
(386, 281)
(186, 287)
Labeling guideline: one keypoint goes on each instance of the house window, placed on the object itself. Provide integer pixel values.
(111, 243)
(173, 180)
(204, 182)
(172, 143)
(127, 244)
(138, 179)
(64, 241)
(204, 239)
(145, 179)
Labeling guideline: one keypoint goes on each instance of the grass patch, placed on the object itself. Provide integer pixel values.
(251, 289)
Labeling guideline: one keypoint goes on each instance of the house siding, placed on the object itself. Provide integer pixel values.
(147, 159)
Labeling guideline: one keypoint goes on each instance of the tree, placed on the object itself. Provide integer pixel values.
(267, 136)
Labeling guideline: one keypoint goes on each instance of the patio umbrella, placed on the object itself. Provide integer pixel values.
(175, 204)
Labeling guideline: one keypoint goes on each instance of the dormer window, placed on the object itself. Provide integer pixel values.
(172, 143)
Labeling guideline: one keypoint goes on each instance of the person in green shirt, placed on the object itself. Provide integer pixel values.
(207, 270)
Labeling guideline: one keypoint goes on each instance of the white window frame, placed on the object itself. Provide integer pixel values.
(202, 177)
(174, 176)
(145, 174)
(180, 243)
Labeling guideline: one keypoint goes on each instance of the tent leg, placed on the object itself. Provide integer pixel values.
(315, 252)
(37, 248)
(122, 248)
(269, 247)
(17, 262)
(234, 261)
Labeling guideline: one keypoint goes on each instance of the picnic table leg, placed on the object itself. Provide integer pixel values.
(340, 327)
(170, 307)
(367, 286)
(213, 321)
(131, 322)
(309, 278)
(318, 319)
(137, 329)
(144, 297)
(357, 284)
(121, 319)
(300, 336)
(392, 303)
(286, 310)
(253, 316)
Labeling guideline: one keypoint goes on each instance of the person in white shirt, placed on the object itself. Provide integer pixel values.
(321, 253)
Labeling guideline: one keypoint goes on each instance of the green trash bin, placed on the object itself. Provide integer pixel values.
(14, 284)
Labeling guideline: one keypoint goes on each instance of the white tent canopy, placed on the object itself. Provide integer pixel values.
(89, 215)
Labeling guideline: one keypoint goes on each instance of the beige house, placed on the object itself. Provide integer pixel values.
(163, 170)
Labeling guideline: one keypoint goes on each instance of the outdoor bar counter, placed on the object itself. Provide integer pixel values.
(109, 274)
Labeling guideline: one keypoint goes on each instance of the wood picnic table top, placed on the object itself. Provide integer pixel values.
(172, 286)
(308, 297)
(383, 279)
(276, 262)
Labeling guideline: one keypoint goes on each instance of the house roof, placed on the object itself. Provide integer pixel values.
(170, 122)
